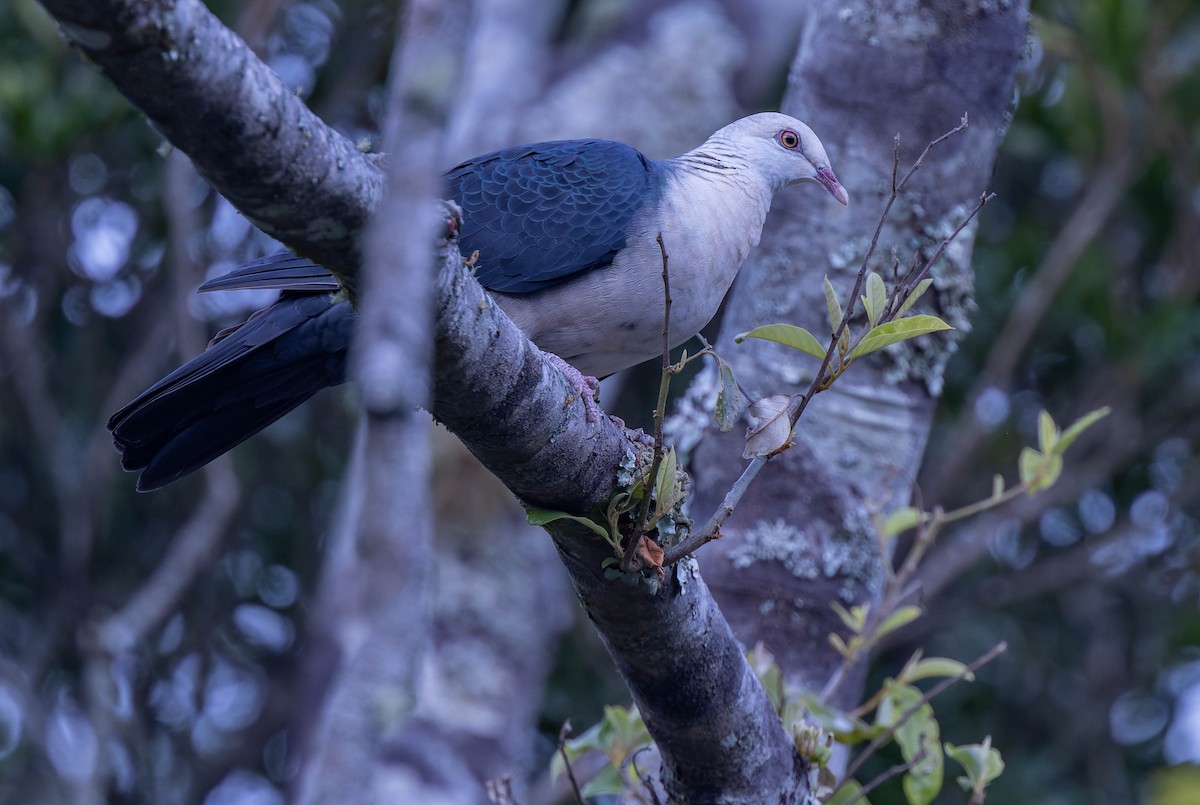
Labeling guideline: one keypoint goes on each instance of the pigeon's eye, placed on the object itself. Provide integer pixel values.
(789, 138)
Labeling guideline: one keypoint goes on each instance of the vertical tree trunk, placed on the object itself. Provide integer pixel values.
(802, 537)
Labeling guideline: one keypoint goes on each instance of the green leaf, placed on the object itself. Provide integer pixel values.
(981, 762)
(629, 731)
(934, 668)
(912, 298)
(1038, 470)
(1054, 468)
(919, 735)
(854, 618)
(606, 782)
(618, 735)
(844, 727)
(901, 520)
(666, 489)
(544, 517)
(997, 486)
(898, 619)
(1029, 464)
(1077, 427)
(896, 331)
(787, 334)
(730, 401)
(1047, 432)
(875, 298)
(832, 307)
(848, 792)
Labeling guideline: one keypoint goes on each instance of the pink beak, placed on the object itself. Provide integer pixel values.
(825, 176)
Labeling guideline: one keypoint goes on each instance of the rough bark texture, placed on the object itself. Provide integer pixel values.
(246, 132)
(718, 736)
(803, 536)
(713, 725)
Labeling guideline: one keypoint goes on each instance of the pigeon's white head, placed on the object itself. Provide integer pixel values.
(781, 149)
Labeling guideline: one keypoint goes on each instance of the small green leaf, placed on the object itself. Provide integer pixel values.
(848, 792)
(901, 520)
(898, 619)
(982, 763)
(912, 298)
(730, 400)
(854, 618)
(935, 668)
(606, 782)
(629, 730)
(875, 298)
(832, 306)
(898, 330)
(848, 729)
(544, 517)
(1029, 464)
(1047, 432)
(997, 486)
(839, 644)
(787, 334)
(666, 489)
(918, 735)
(1038, 471)
(1077, 427)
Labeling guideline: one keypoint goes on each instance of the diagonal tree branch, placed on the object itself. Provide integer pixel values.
(246, 132)
(257, 144)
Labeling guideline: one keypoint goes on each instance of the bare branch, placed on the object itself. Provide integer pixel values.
(898, 769)
(712, 527)
(562, 750)
(628, 563)
(246, 132)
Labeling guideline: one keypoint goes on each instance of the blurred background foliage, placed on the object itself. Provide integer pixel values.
(1088, 274)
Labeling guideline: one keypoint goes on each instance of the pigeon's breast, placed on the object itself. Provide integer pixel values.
(612, 318)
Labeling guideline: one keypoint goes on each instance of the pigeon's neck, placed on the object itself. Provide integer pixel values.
(725, 161)
(710, 216)
(717, 183)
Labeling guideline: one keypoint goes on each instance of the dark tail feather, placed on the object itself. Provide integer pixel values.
(279, 270)
(247, 378)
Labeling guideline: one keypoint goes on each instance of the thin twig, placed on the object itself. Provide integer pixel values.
(881, 739)
(819, 380)
(1060, 260)
(562, 750)
(712, 528)
(646, 780)
(898, 588)
(628, 563)
(911, 279)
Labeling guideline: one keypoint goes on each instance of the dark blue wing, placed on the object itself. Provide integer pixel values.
(537, 214)
(540, 214)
